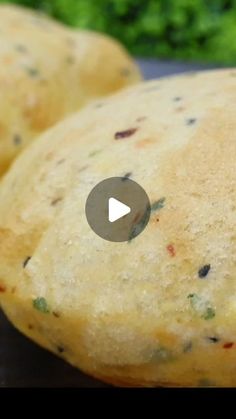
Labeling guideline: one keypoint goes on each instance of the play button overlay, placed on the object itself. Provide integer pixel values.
(118, 209)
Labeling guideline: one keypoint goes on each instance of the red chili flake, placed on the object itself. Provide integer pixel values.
(2, 288)
(124, 134)
(228, 345)
(170, 248)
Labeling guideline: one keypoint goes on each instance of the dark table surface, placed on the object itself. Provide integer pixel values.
(24, 364)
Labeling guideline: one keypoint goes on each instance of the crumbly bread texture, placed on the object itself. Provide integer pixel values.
(161, 308)
(48, 71)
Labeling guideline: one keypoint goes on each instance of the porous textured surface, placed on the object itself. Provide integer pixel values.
(48, 71)
(159, 309)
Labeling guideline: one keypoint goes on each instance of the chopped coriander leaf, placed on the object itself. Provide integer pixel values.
(158, 204)
(33, 72)
(94, 153)
(202, 307)
(124, 134)
(41, 304)
(194, 300)
(209, 313)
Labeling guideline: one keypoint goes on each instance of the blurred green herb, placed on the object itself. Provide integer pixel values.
(180, 29)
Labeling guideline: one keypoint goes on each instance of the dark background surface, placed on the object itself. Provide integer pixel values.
(24, 364)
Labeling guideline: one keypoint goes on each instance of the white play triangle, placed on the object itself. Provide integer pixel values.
(117, 210)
